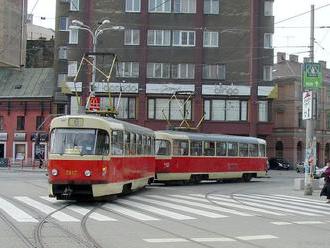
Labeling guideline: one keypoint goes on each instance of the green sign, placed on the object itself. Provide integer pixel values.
(312, 75)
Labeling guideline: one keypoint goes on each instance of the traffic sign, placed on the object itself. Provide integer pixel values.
(307, 113)
(312, 76)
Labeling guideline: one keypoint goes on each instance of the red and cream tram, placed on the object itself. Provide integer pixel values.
(187, 156)
(93, 157)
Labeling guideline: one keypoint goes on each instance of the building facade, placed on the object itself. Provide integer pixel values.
(26, 108)
(12, 32)
(217, 57)
(288, 139)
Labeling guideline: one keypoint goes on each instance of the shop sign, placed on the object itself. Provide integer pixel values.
(227, 90)
(116, 87)
(3, 136)
(19, 136)
(170, 88)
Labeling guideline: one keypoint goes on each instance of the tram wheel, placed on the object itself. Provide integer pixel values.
(247, 177)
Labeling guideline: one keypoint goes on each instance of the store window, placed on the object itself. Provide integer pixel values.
(164, 109)
(225, 110)
(19, 151)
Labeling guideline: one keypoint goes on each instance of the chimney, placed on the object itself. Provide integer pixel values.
(307, 59)
(293, 58)
(323, 64)
(280, 57)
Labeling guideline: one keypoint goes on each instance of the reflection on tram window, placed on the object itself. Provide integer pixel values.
(196, 148)
(253, 150)
(180, 147)
(209, 148)
(163, 147)
(243, 149)
(232, 149)
(221, 149)
(262, 150)
(117, 142)
(79, 141)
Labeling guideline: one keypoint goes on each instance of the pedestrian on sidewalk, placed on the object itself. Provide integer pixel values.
(326, 188)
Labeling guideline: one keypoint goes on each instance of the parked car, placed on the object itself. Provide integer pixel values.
(278, 164)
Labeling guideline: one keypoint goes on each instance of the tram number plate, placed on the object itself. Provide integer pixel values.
(71, 173)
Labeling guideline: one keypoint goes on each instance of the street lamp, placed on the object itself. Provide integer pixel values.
(76, 24)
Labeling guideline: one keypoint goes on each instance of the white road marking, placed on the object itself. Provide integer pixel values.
(82, 211)
(129, 212)
(308, 222)
(16, 213)
(281, 223)
(173, 240)
(257, 237)
(301, 198)
(270, 205)
(233, 203)
(180, 207)
(155, 210)
(282, 203)
(213, 239)
(196, 204)
(46, 209)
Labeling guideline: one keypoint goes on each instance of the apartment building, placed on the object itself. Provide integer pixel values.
(216, 55)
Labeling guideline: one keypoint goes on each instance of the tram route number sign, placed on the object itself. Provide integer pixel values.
(307, 112)
(94, 103)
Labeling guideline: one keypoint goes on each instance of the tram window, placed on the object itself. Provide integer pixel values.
(253, 150)
(102, 143)
(221, 149)
(209, 148)
(139, 144)
(180, 147)
(262, 150)
(196, 148)
(132, 144)
(149, 146)
(163, 147)
(243, 150)
(144, 144)
(232, 149)
(117, 142)
(127, 142)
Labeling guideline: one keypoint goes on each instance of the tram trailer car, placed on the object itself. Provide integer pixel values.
(193, 157)
(93, 157)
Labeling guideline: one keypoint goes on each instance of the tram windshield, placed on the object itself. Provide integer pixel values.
(79, 141)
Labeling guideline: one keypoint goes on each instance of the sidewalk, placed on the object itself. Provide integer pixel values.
(25, 168)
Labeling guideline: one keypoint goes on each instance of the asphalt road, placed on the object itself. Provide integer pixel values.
(266, 212)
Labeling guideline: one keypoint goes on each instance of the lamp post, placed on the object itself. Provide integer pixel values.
(103, 26)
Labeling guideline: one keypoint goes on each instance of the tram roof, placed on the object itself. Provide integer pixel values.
(111, 122)
(210, 137)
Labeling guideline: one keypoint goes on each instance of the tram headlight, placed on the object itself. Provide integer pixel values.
(54, 172)
(88, 173)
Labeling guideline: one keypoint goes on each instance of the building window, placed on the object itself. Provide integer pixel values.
(61, 108)
(62, 52)
(125, 106)
(268, 8)
(184, 6)
(64, 23)
(133, 6)
(159, 37)
(72, 68)
(211, 7)
(225, 110)
(132, 37)
(159, 6)
(158, 70)
(74, 5)
(183, 38)
(211, 39)
(39, 122)
(19, 151)
(61, 78)
(214, 72)
(183, 71)
(2, 124)
(164, 109)
(73, 36)
(268, 40)
(20, 123)
(263, 110)
(128, 69)
(268, 73)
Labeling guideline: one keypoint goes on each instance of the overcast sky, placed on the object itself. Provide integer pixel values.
(291, 36)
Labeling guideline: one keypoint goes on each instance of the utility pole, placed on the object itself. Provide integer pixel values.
(310, 156)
